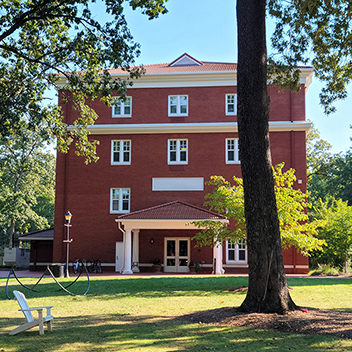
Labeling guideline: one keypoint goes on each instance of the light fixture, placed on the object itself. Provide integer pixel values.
(151, 241)
(68, 217)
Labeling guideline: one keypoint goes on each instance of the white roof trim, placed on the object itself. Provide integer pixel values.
(185, 60)
(175, 224)
(192, 79)
(27, 238)
(211, 127)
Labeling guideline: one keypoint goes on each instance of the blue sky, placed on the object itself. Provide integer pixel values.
(206, 29)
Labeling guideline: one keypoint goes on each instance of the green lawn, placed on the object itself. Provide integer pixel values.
(137, 314)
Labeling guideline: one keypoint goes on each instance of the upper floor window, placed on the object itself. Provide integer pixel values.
(232, 151)
(178, 105)
(120, 200)
(122, 108)
(121, 152)
(177, 151)
(236, 252)
(231, 104)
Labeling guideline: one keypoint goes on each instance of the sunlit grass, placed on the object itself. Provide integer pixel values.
(138, 314)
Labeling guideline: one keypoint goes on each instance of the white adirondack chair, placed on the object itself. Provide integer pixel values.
(27, 311)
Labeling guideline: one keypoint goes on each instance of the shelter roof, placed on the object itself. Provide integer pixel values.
(47, 234)
(172, 211)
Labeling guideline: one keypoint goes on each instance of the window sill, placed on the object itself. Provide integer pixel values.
(235, 264)
(177, 118)
(121, 116)
(119, 212)
(120, 164)
(176, 167)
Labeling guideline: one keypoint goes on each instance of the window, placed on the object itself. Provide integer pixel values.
(120, 200)
(122, 108)
(121, 152)
(177, 151)
(231, 104)
(236, 252)
(178, 105)
(232, 151)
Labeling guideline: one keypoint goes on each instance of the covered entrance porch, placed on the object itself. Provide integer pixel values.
(165, 232)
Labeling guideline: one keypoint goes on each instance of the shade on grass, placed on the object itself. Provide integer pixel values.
(138, 314)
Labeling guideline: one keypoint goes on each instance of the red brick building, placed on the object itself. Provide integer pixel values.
(176, 128)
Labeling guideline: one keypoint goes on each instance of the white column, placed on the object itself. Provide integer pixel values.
(217, 253)
(128, 252)
(135, 251)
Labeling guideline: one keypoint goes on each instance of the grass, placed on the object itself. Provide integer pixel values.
(137, 314)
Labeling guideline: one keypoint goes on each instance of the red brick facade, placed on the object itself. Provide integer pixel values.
(85, 189)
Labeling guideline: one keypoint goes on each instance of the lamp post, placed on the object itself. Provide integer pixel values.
(68, 217)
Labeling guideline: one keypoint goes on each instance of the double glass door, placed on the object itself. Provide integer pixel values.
(176, 255)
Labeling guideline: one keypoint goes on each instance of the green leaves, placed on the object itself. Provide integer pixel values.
(40, 40)
(27, 174)
(316, 31)
(330, 175)
(292, 206)
(337, 232)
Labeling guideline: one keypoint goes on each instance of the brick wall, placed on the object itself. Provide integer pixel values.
(85, 189)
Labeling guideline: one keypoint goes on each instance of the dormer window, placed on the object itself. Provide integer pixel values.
(178, 105)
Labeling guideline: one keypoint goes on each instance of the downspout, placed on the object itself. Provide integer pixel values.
(66, 156)
(124, 240)
(292, 166)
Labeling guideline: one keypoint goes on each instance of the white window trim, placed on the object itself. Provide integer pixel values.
(227, 107)
(120, 211)
(237, 159)
(178, 152)
(236, 249)
(121, 152)
(122, 108)
(178, 107)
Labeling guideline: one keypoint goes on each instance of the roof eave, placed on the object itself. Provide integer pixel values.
(172, 224)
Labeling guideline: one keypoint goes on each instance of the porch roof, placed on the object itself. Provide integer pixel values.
(173, 215)
(41, 235)
(173, 211)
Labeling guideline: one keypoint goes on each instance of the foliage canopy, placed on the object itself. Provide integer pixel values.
(27, 177)
(40, 39)
(292, 204)
(337, 232)
(317, 31)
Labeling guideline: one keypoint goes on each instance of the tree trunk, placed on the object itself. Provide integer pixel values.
(11, 232)
(267, 287)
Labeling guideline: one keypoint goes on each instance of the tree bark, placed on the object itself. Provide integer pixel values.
(267, 287)
(11, 232)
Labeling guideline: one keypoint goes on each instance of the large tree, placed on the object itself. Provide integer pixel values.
(329, 175)
(337, 233)
(40, 39)
(305, 28)
(267, 287)
(27, 176)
